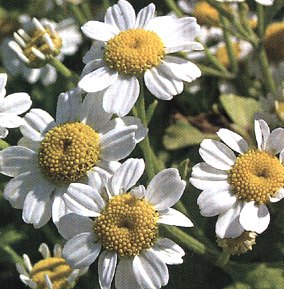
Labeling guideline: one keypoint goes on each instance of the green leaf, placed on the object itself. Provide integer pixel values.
(183, 134)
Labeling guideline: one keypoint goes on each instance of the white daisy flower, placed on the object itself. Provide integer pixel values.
(128, 47)
(52, 154)
(239, 188)
(11, 106)
(51, 272)
(125, 225)
(22, 56)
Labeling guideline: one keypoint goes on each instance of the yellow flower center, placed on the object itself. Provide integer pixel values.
(67, 152)
(37, 41)
(274, 42)
(57, 270)
(256, 176)
(134, 51)
(222, 54)
(127, 225)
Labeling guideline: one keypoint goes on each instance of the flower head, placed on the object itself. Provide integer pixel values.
(239, 188)
(125, 225)
(11, 106)
(52, 154)
(51, 272)
(129, 47)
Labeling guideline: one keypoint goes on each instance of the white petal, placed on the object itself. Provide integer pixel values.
(122, 102)
(118, 143)
(168, 251)
(121, 16)
(81, 251)
(127, 175)
(21, 270)
(72, 224)
(3, 132)
(160, 25)
(149, 270)
(38, 205)
(228, 224)
(265, 2)
(186, 46)
(173, 217)
(124, 277)
(97, 79)
(96, 52)
(59, 207)
(165, 189)
(106, 268)
(11, 120)
(275, 141)
(44, 250)
(93, 113)
(16, 103)
(144, 16)
(68, 106)
(217, 154)
(233, 140)
(162, 83)
(138, 192)
(262, 133)
(277, 196)
(215, 202)
(3, 81)
(37, 122)
(255, 217)
(16, 160)
(181, 68)
(27, 281)
(99, 31)
(83, 200)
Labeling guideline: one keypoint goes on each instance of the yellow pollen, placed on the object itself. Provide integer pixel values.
(256, 176)
(207, 15)
(274, 42)
(134, 51)
(67, 152)
(127, 225)
(222, 54)
(37, 41)
(57, 270)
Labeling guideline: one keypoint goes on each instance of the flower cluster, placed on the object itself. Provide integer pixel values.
(89, 159)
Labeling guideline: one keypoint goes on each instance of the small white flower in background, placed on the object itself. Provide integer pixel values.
(11, 106)
(128, 47)
(239, 188)
(125, 225)
(22, 56)
(52, 154)
(51, 272)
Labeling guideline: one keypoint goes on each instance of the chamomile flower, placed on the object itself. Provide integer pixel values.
(130, 47)
(125, 226)
(239, 188)
(27, 54)
(51, 272)
(52, 154)
(11, 106)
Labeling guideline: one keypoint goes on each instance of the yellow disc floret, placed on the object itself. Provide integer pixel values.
(274, 41)
(256, 176)
(222, 54)
(134, 51)
(57, 270)
(37, 41)
(127, 225)
(67, 152)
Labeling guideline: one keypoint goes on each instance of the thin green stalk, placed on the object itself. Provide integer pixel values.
(150, 111)
(15, 257)
(260, 20)
(61, 68)
(174, 7)
(79, 15)
(86, 10)
(205, 70)
(243, 14)
(229, 47)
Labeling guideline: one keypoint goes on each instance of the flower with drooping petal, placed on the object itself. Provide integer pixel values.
(239, 188)
(11, 106)
(125, 225)
(52, 154)
(129, 47)
(51, 272)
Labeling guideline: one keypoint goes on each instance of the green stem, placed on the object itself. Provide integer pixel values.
(174, 7)
(86, 10)
(229, 47)
(15, 257)
(260, 20)
(150, 111)
(61, 68)
(224, 259)
(205, 70)
(79, 15)
(243, 14)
